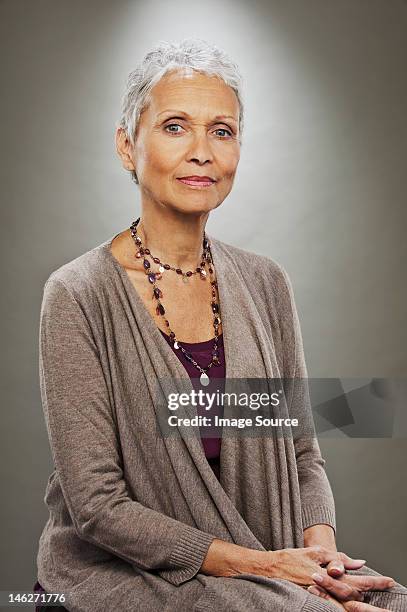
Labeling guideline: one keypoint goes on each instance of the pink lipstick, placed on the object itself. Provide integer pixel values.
(197, 181)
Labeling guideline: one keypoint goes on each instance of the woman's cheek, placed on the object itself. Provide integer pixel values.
(154, 157)
(229, 159)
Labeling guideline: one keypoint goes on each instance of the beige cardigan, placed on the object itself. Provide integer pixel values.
(132, 513)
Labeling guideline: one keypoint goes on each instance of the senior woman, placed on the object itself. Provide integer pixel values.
(143, 521)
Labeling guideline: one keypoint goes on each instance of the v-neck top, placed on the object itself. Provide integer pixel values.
(202, 353)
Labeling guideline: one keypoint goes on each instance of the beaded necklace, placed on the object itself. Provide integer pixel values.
(153, 277)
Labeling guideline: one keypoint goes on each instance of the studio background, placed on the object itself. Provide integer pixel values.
(321, 188)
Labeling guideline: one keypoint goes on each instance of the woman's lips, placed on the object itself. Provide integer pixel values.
(196, 182)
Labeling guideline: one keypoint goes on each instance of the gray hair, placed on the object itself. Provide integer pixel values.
(185, 55)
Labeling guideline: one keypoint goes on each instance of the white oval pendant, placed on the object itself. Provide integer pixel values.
(176, 345)
(161, 269)
(204, 378)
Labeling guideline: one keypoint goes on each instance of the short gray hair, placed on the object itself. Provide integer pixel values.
(187, 54)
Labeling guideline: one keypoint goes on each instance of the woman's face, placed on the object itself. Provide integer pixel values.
(190, 128)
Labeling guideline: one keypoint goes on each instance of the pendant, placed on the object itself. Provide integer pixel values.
(161, 269)
(204, 379)
(176, 345)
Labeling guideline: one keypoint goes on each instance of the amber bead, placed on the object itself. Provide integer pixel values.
(156, 260)
(178, 271)
(167, 266)
(189, 273)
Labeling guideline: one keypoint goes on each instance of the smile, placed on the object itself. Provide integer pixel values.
(196, 182)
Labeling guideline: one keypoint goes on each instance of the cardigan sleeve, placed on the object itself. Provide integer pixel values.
(86, 450)
(317, 499)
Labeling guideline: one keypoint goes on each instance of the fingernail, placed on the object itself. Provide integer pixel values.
(392, 584)
(317, 577)
(360, 560)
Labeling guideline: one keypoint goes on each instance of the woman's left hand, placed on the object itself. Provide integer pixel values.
(344, 587)
(336, 568)
(350, 587)
(324, 535)
(348, 606)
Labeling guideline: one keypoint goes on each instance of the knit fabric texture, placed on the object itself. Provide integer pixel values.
(132, 513)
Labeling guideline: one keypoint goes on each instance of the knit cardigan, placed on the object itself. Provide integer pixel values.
(132, 512)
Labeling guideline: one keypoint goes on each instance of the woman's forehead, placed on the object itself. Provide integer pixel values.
(186, 92)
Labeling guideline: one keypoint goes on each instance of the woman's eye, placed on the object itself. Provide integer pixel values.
(172, 125)
(224, 130)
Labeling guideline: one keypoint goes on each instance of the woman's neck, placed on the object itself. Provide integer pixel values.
(174, 238)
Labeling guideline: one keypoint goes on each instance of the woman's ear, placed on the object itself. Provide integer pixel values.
(124, 149)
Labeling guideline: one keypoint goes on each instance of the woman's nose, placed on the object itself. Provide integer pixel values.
(200, 149)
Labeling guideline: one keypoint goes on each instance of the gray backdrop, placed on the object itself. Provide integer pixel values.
(321, 188)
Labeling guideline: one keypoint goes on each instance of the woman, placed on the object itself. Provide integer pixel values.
(143, 521)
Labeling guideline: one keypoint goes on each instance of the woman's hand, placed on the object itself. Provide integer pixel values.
(324, 535)
(298, 564)
(294, 564)
(349, 588)
(303, 565)
(350, 606)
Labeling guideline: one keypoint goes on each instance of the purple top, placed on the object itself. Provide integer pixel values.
(202, 353)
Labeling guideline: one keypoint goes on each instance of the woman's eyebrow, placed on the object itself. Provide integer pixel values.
(183, 113)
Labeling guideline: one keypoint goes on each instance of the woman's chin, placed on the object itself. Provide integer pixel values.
(196, 208)
(194, 202)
